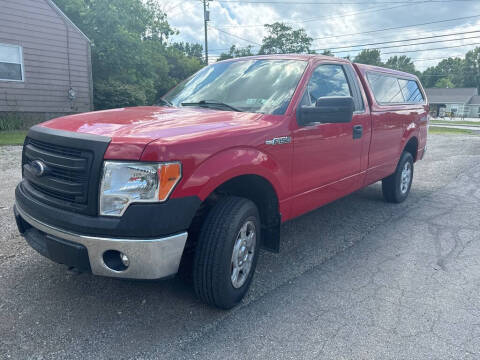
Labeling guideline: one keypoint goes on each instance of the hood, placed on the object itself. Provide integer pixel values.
(134, 128)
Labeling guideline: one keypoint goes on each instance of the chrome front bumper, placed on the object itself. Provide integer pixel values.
(148, 258)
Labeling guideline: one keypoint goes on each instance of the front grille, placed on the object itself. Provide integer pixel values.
(67, 175)
(55, 148)
(73, 163)
(53, 194)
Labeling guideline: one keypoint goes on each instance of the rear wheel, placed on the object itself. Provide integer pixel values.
(227, 252)
(397, 186)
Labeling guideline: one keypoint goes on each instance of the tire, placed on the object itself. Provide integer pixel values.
(232, 221)
(397, 186)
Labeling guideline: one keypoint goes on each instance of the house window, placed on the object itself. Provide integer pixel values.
(11, 63)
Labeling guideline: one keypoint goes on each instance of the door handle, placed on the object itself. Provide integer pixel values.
(357, 131)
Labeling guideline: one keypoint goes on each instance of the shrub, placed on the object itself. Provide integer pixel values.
(111, 94)
(10, 121)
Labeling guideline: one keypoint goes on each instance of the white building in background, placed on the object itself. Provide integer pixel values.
(455, 102)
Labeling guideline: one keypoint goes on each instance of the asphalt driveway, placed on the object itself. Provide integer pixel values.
(356, 279)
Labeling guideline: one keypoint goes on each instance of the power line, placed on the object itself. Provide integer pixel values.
(398, 27)
(370, 31)
(377, 43)
(379, 30)
(440, 48)
(369, 10)
(432, 30)
(396, 41)
(302, 21)
(402, 45)
(418, 50)
(235, 36)
(431, 49)
(456, 56)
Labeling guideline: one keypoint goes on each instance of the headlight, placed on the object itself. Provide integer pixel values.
(124, 183)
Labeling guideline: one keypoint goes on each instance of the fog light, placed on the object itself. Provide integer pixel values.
(116, 260)
(125, 259)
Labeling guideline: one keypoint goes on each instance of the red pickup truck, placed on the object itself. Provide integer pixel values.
(204, 179)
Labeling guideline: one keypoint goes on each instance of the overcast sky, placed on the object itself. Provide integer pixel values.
(331, 21)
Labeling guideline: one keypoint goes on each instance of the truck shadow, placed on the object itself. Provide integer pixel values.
(82, 307)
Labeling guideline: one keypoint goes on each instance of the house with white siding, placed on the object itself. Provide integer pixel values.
(45, 62)
(455, 102)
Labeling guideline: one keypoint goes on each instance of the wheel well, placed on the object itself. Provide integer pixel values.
(258, 190)
(412, 147)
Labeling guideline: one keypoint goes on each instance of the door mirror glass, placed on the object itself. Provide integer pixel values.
(327, 110)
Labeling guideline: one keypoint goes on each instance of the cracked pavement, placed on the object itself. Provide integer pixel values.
(356, 279)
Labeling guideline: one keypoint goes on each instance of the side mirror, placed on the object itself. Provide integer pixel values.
(327, 110)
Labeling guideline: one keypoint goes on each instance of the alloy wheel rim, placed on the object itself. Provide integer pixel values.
(406, 177)
(243, 253)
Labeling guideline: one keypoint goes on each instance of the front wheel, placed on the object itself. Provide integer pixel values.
(397, 186)
(227, 252)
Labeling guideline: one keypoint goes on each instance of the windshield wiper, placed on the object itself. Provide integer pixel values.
(211, 103)
(164, 101)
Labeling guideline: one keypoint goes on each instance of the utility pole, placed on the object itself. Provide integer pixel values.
(206, 18)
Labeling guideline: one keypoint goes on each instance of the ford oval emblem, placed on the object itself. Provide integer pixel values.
(38, 168)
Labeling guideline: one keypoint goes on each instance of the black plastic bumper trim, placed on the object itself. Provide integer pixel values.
(58, 250)
(138, 221)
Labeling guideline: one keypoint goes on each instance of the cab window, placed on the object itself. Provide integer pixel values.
(386, 89)
(326, 80)
(411, 91)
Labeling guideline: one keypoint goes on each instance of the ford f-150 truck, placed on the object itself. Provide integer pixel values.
(204, 179)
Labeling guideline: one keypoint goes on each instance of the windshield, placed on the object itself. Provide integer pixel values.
(262, 86)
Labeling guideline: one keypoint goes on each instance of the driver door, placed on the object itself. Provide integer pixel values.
(327, 156)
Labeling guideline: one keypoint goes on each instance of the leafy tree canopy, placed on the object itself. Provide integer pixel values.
(451, 69)
(283, 39)
(444, 83)
(235, 52)
(402, 63)
(131, 59)
(369, 57)
(191, 50)
(471, 68)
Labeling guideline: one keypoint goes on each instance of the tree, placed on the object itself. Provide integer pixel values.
(429, 77)
(283, 39)
(452, 68)
(131, 60)
(402, 63)
(235, 52)
(327, 52)
(444, 83)
(190, 50)
(369, 57)
(472, 68)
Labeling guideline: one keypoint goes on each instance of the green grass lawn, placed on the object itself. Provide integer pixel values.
(442, 130)
(17, 137)
(455, 122)
(12, 137)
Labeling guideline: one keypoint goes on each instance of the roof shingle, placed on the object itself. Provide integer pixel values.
(450, 96)
(475, 100)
